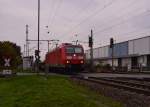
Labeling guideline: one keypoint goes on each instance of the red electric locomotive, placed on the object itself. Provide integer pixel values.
(66, 56)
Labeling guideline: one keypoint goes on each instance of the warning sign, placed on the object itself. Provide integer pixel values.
(7, 62)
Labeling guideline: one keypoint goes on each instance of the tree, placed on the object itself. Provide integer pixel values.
(12, 51)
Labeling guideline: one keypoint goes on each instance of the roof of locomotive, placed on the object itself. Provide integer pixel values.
(69, 44)
(63, 45)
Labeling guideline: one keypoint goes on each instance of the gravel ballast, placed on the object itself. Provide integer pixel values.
(129, 99)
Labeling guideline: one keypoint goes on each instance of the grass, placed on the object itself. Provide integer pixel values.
(56, 91)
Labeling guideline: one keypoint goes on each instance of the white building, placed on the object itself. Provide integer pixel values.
(27, 62)
(133, 53)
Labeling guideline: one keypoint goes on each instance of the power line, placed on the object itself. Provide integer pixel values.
(92, 15)
(54, 13)
(131, 4)
(122, 16)
(82, 9)
(129, 33)
(51, 13)
(123, 21)
(137, 32)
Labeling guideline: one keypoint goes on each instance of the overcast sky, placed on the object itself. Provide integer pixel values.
(121, 19)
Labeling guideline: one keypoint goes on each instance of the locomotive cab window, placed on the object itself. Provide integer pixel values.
(73, 50)
(69, 50)
(78, 50)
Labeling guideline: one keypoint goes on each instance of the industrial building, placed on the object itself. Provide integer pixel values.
(131, 54)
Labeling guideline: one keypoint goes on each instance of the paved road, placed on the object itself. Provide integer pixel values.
(24, 74)
(115, 75)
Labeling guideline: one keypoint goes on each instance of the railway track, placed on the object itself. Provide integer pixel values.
(127, 82)
(141, 80)
(121, 84)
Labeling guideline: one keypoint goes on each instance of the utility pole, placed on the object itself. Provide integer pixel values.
(48, 44)
(38, 58)
(27, 42)
(48, 41)
(24, 50)
(91, 49)
(56, 43)
(113, 58)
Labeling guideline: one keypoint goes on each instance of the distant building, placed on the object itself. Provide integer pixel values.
(27, 62)
(132, 53)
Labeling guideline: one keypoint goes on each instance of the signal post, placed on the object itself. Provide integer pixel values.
(91, 50)
(112, 54)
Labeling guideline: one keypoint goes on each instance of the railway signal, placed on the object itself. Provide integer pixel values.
(91, 50)
(36, 52)
(112, 54)
(111, 42)
(90, 41)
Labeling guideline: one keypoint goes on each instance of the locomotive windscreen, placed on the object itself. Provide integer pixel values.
(74, 50)
(69, 50)
(78, 50)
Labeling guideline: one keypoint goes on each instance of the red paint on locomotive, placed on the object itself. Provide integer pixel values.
(66, 55)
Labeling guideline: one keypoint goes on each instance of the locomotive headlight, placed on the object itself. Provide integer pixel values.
(82, 62)
(68, 62)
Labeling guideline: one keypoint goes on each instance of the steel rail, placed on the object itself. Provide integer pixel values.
(125, 82)
(117, 85)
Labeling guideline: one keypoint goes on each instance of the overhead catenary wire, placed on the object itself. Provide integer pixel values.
(91, 15)
(83, 9)
(52, 13)
(131, 4)
(138, 33)
(121, 22)
(128, 33)
(51, 19)
(65, 35)
(122, 16)
(55, 13)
